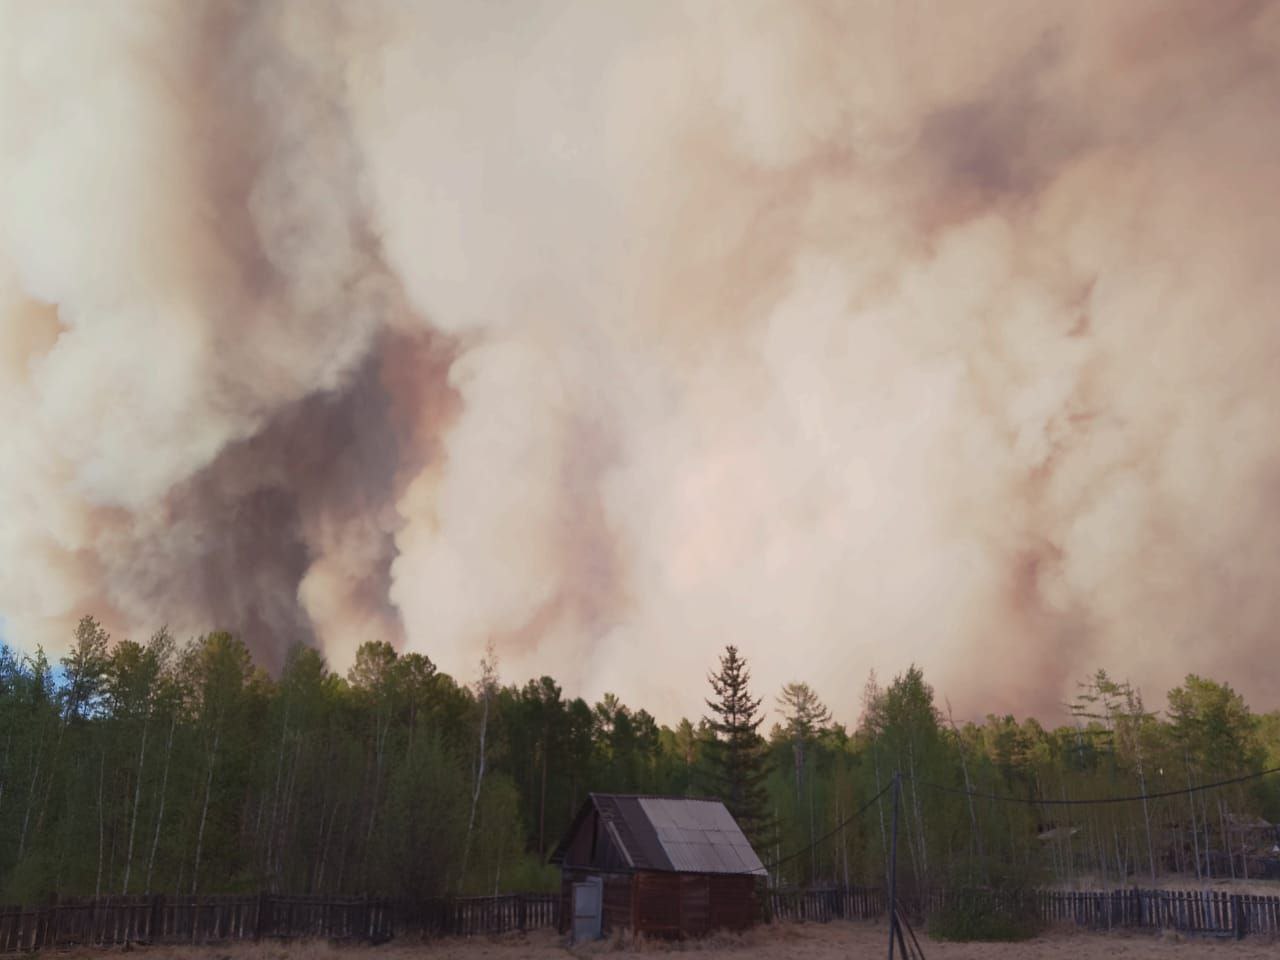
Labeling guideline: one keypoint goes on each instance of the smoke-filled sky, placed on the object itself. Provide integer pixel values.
(852, 333)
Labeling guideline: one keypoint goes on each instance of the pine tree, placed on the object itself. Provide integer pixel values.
(737, 762)
(805, 716)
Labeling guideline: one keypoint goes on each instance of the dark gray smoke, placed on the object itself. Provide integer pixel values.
(853, 334)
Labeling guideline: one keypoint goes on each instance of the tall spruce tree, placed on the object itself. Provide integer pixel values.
(737, 760)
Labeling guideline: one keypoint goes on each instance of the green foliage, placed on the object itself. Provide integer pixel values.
(737, 762)
(987, 916)
(424, 822)
(164, 766)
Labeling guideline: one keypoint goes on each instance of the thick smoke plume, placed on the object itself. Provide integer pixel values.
(851, 333)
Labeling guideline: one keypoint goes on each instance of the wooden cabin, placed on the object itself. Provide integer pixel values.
(661, 866)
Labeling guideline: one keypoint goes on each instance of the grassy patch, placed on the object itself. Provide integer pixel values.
(985, 917)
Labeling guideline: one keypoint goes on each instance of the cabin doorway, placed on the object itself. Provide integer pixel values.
(588, 909)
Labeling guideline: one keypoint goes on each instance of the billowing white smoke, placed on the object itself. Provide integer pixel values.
(853, 334)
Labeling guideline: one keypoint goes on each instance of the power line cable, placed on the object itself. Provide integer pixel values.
(1184, 791)
(831, 833)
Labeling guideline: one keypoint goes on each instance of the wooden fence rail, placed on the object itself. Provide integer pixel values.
(470, 916)
(110, 921)
(852, 903)
(1207, 912)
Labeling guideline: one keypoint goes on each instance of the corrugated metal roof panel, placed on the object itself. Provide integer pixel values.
(699, 836)
(669, 833)
(637, 831)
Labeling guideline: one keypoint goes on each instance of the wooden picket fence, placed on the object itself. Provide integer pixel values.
(109, 921)
(1189, 911)
(474, 916)
(821, 906)
(1207, 912)
(112, 921)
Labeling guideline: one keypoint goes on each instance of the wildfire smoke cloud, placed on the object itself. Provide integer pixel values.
(848, 333)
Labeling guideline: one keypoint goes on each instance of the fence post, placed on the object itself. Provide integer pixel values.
(1238, 917)
(51, 937)
(260, 927)
(157, 918)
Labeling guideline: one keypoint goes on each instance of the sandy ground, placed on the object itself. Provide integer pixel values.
(782, 942)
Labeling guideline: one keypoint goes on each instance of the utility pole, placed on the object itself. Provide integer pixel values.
(896, 920)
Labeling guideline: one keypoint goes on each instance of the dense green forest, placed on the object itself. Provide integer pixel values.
(179, 767)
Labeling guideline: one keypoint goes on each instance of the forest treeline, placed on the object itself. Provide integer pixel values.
(161, 766)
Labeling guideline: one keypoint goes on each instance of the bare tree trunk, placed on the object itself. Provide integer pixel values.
(915, 801)
(542, 802)
(317, 870)
(1191, 803)
(275, 792)
(844, 844)
(1070, 850)
(8, 742)
(102, 768)
(1226, 840)
(31, 793)
(53, 766)
(164, 788)
(1146, 819)
(777, 848)
(380, 742)
(813, 849)
(26, 816)
(968, 785)
(884, 833)
(204, 813)
(1179, 850)
(1244, 852)
(1204, 825)
(797, 755)
(475, 792)
(282, 841)
(137, 803)
(1099, 849)
(324, 847)
(342, 863)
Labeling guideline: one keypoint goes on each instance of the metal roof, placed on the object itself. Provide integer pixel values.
(680, 834)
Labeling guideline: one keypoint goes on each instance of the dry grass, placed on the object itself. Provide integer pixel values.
(834, 941)
(757, 940)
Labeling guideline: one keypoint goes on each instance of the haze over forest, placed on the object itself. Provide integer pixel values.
(854, 334)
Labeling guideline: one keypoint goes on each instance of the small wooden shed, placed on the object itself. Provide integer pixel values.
(662, 866)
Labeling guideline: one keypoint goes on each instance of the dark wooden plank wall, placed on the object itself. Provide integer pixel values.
(618, 891)
(733, 902)
(657, 910)
(674, 904)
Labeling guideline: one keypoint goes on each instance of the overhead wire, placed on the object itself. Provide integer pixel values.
(1025, 801)
(830, 833)
(1098, 801)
